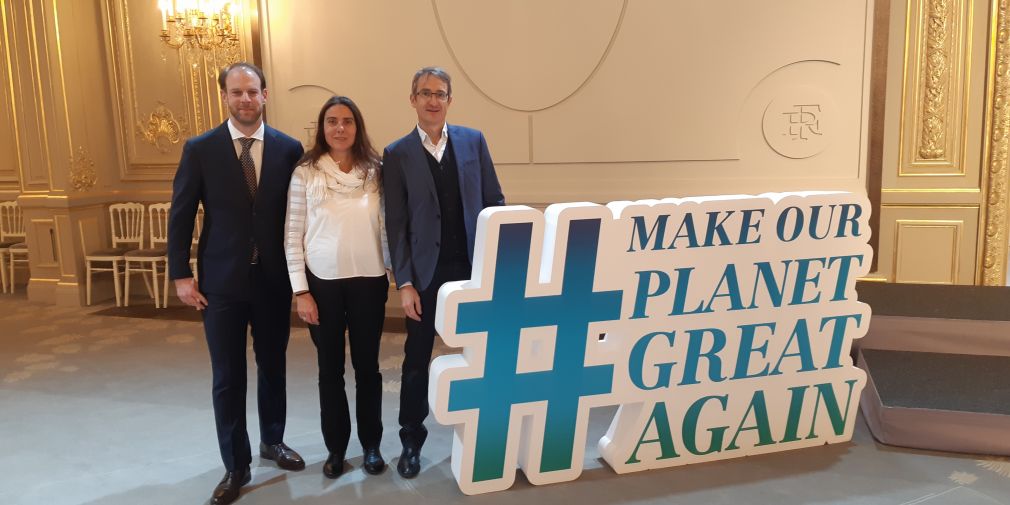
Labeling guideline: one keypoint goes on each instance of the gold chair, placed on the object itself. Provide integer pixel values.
(13, 248)
(5, 244)
(150, 259)
(126, 220)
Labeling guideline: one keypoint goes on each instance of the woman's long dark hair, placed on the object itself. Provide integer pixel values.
(362, 153)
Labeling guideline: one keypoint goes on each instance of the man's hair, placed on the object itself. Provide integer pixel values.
(223, 75)
(433, 71)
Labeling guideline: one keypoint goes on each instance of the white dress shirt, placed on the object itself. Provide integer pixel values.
(256, 150)
(335, 224)
(436, 150)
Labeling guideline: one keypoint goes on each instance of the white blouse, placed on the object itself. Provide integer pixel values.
(335, 224)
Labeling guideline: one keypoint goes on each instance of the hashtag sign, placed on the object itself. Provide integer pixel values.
(561, 388)
(682, 313)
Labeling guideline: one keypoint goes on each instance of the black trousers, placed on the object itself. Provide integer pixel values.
(356, 305)
(417, 355)
(226, 323)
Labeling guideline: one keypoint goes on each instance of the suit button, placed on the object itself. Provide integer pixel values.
(437, 244)
(438, 216)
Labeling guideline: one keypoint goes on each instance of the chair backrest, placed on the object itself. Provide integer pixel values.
(127, 221)
(198, 224)
(12, 222)
(158, 213)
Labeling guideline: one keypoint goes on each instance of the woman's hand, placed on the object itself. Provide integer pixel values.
(307, 309)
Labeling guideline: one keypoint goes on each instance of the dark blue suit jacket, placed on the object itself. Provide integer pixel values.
(210, 172)
(412, 212)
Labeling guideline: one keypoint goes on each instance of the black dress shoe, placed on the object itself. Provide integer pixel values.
(228, 489)
(284, 456)
(410, 463)
(373, 462)
(334, 465)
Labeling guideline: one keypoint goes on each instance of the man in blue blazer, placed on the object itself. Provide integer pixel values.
(436, 180)
(240, 171)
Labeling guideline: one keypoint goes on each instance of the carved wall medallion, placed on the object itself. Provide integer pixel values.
(161, 129)
(82, 171)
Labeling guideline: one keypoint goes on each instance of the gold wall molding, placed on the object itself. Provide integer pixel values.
(929, 243)
(161, 129)
(10, 156)
(83, 176)
(182, 82)
(997, 146)
(204, 97)
(910, 235)
(933, 137)
(937, 100)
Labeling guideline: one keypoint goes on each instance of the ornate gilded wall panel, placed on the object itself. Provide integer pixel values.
(928, 244)
(937, 103)
(34, 85)
(934, 135)
(161, 95)
(9, 156)
(927, 251)
(997, 150)
(42, 245)
(65, 250)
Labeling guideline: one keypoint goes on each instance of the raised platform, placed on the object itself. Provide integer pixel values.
(938, 365)
(946, 402)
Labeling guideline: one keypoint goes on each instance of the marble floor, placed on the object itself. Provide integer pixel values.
(106, 409)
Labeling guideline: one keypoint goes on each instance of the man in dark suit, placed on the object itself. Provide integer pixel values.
(436, 181)
(240, 171)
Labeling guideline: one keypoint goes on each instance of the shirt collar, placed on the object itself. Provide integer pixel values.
(235, 134)
(424, 135)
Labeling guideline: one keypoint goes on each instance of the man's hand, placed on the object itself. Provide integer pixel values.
(186, 290)
(411, 302)
(307, 309)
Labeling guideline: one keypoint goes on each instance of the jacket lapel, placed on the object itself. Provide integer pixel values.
(417, 158)
(270, 157)
(461, 152)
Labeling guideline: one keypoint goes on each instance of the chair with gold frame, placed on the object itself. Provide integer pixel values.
(149, 260)
(13, 247)
(126, 221)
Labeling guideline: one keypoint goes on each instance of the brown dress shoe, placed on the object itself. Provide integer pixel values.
(227, 490)
(284, 456)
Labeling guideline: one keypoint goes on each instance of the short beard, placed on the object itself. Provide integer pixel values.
(235, 116)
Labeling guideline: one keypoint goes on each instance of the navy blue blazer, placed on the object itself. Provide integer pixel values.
(210, 172)
(412, 212)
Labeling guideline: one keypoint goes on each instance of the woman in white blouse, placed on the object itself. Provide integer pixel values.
(337, 260)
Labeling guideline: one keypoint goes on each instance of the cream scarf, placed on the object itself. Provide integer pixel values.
(327, 179)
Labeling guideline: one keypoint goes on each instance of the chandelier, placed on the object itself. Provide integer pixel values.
(198, 24)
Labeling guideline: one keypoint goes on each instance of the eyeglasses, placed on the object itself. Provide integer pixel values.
(441, 96)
